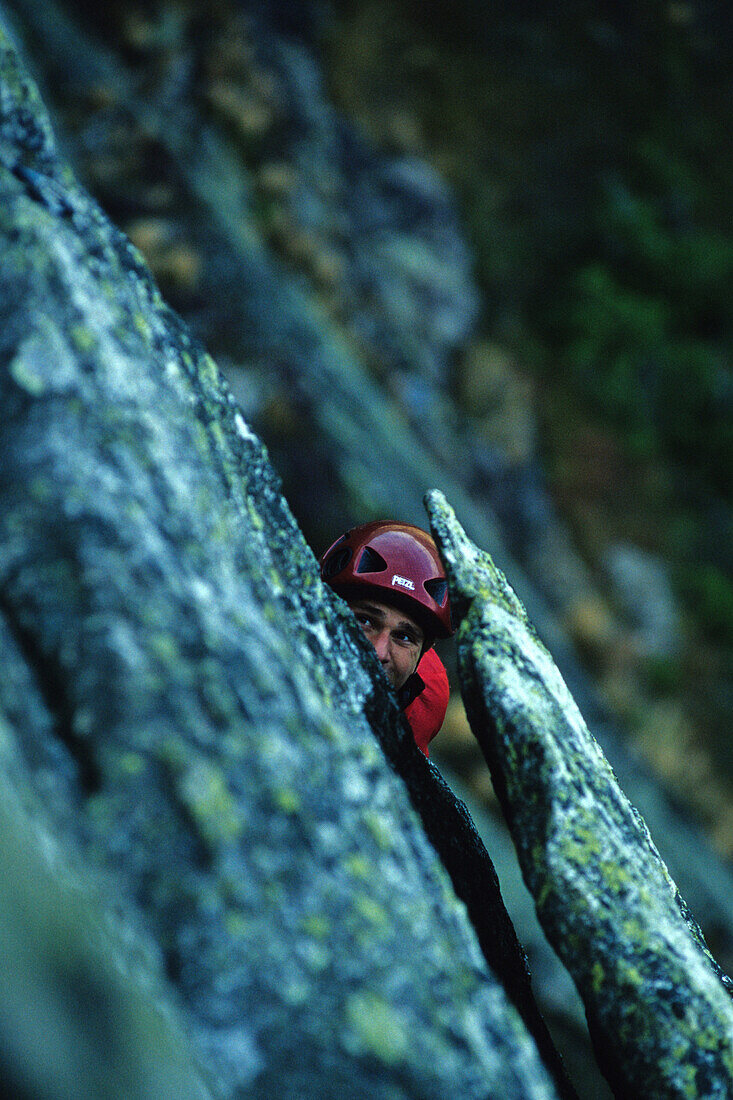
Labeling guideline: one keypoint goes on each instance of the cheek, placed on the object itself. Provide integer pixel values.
(409, 661)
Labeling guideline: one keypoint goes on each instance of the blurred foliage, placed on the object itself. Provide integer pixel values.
(711, 591)
(590, 149)
(647, 330)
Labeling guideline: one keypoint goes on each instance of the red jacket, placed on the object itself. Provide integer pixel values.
(428, 700)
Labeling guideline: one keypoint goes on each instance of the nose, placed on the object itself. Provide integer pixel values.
(381, 645)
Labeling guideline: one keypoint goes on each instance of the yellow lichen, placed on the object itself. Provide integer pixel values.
(370, 910)
(25, 377)
(164, 647)
(84, 339)
(379, 830)
(629, 974)
(236, 924)
(379, 1028)
(287, 800)
(616, 876)
(317, 926)
(206, 796)
(358, 866)
(132, 764)
(208, 370)
(635, 930)
(142, 325)
(598, 975)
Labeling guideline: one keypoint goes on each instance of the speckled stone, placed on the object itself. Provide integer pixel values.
(659, 1008)
(193, 713)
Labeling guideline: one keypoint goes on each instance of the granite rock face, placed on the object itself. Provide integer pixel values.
(64, 959)
(659, 1008)
(192, 717)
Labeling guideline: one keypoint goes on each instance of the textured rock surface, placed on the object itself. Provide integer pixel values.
(79, 632)
(659, 1008)
(193, 712)
(63, 961)
(135, 117)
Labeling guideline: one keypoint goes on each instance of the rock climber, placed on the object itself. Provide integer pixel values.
(392, 578)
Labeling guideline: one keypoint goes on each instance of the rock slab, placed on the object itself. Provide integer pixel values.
(191, 714)
(659, 1008)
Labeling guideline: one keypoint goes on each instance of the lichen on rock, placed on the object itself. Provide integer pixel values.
(192, 711)
(659, 1007)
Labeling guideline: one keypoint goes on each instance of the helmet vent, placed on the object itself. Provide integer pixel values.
(337, 561)
(370, 562)
(438, 589)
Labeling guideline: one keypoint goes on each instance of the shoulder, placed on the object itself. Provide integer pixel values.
(427, 710)
(432, 672)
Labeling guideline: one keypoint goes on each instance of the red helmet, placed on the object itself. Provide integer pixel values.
(395, 560)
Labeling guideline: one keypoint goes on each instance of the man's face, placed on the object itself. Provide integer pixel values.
(396, 637)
